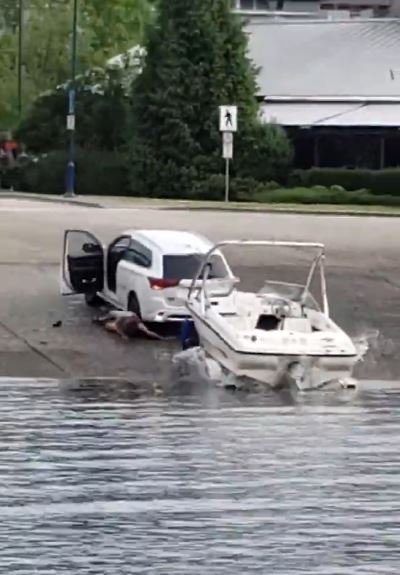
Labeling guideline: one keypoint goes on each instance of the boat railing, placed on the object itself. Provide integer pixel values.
(202, 293)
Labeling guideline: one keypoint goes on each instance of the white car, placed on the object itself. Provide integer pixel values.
(145, 271)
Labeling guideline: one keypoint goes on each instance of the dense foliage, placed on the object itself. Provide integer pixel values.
(104, 29)
(99, 172)
(197, 60)
(166, 116)
(101, 110)
(383, 182)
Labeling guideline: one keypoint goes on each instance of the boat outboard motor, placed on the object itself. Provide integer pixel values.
(188, 335)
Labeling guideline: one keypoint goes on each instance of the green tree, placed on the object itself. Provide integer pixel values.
(196, 60)
(118, 25)
(8, 14)
(101, 110)
(105, 28)
(8, 84)
(45, 57)
(264, 153)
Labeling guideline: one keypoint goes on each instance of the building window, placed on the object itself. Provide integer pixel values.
(246, 5)
(253, 4)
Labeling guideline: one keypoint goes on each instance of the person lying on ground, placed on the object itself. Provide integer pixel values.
(126, 324)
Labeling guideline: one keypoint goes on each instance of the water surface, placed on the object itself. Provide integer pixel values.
(95, 479)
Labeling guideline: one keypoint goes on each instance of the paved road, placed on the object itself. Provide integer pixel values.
(363, 275)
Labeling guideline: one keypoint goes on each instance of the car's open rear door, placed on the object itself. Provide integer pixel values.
(82, 269)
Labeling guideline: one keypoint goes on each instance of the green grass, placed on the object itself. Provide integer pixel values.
(275, 206)
(293, 199)
(252, 206)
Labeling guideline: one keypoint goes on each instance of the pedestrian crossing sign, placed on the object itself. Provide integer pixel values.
(228, 118)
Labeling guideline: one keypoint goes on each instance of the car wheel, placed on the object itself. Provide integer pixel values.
(92, 299)
(133, 304)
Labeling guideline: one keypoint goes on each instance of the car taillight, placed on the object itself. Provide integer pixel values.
(160, 283)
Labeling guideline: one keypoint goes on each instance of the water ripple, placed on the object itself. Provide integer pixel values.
(96, 484)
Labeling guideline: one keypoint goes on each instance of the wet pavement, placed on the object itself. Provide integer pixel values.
(363, 282)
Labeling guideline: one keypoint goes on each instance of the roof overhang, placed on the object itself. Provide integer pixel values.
(330, 99)
(333, 114)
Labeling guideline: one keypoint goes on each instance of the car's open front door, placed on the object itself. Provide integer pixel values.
(83, 263)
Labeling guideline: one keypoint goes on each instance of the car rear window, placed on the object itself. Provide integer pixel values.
(186, 266)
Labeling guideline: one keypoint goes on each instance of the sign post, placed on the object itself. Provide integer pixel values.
(227, 125)
(227, 154)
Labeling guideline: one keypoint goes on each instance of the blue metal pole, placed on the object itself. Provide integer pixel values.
(70, 173)
(20, 40)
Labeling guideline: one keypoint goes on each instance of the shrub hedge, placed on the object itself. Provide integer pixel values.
(107, 173)
(379, 182)
(324, 196)
(97, 173)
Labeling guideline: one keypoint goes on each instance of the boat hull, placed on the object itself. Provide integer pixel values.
(275, 370)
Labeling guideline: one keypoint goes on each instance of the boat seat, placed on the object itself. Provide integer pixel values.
(299, 324)
(247, 317)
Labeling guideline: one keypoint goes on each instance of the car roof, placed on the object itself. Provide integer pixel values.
(173, 242)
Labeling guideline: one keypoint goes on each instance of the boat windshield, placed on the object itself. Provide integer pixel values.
(293, 292)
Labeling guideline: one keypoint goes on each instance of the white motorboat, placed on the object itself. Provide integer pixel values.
(276, 335)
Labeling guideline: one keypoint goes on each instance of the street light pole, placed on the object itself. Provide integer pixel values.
(70, 176)
(20, 46)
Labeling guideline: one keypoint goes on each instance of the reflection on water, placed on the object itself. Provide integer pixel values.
(95, 479)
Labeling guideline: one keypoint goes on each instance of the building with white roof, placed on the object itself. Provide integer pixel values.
(335, 86)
